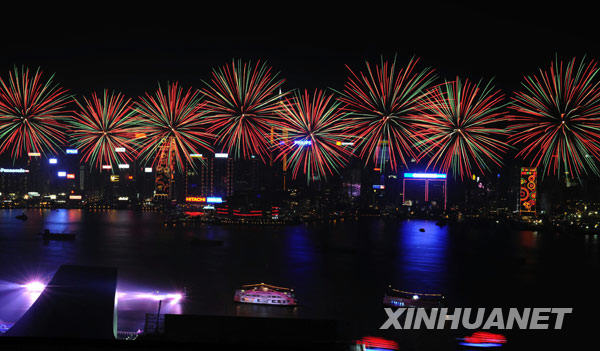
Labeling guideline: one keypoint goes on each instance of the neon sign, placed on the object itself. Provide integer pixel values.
(528, 191)
(13, 170)
(425, 175)
(303, 142)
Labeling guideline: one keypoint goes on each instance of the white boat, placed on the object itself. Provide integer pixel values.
(265, 294)
(398, 298)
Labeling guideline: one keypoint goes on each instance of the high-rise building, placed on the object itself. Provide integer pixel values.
(211, 176)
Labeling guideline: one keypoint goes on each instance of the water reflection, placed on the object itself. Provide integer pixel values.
(528, 239)
(338, 270)
(423, 259)
(252, 310)
(61, 221)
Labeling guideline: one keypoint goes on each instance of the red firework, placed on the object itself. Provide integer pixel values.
(313, 130)
(556, 118)
(174, 125)
(242, 102)
(31, 112)
(381, 103)
(104, 130)
(461, 127)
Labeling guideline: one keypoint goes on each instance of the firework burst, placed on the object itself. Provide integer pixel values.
(556, 118)
(460, 127)
(242, 101)
(104, 130)
(174, 126)
(381, 103)
(31, 111)
(313, 129)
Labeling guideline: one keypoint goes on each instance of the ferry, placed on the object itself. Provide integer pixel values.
(265, 294)
(47, 235)
(399, 298)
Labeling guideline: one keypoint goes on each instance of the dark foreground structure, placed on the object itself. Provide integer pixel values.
(79, 302)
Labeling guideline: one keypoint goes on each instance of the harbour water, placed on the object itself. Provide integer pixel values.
(338, 270)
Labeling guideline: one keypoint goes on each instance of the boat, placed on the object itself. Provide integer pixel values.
(47, 235)
(22, 217)
(422, 230)
(206, 242)
(265, 294)
(399, 298)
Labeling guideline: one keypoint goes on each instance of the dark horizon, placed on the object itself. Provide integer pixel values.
(128, 51)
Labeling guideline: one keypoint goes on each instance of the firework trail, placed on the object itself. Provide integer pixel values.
(461, 127)
(313, 129)
(382, 103)
(174, 125)
(105, 130)
(556, 118)
(31, 112)
(242, 102)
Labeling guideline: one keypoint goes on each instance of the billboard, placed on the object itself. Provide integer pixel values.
(528, 191)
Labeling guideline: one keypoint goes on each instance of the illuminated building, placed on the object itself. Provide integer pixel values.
(164, 179)
(13, 180)
(528, 190)
(210, 176)
(429, 181)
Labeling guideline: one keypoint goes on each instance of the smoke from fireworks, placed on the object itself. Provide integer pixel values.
(174, 125)
(381, 103)
(242, 100)
(313, 129)
(103, 127)
(31, 110)
(556, 118)
(460, 129)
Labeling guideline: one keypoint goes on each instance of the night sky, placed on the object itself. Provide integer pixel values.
(131, 49)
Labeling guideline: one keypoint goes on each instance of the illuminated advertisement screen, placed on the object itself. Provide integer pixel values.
(528, 191)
